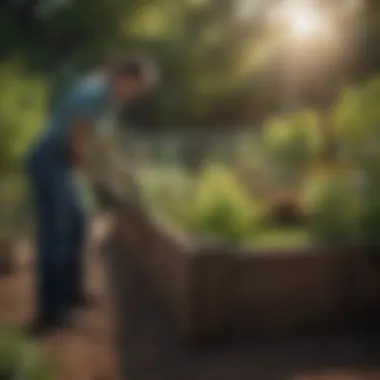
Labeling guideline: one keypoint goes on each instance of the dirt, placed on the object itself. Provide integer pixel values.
(86, 349)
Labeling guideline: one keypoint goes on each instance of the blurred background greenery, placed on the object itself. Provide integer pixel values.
(296, 80)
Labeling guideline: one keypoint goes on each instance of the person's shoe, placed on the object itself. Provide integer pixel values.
(41, 326)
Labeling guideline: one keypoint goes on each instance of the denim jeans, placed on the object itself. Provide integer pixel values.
(61, 230)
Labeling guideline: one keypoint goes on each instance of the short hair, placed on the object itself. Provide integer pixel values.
(138, 66)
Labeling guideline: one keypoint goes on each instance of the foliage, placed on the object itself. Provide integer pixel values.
(20, 358)
(283, 238)
(356, 123)
(222, 208)
(167, 191)
(213, 204)
(208, 49)
(22, 109)
(23, 99)
(15, 203)
(293, 143)
(251, 166)
(370, 220)
(332, 201)
(217, 68)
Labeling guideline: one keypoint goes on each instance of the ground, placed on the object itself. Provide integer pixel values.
(149, 348)
(86, 350)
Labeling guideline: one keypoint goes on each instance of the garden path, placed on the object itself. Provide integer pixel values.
(85, 351)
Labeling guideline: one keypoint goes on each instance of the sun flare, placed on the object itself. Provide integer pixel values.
(304, 22)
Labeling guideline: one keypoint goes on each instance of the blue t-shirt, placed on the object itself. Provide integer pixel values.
(87, 100)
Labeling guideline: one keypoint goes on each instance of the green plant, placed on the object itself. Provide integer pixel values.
(20, 358)
(222, 208)
(292, 143)
(23, 101)
(355, 119)
(334, 207)
(370, 219)
(356, 124)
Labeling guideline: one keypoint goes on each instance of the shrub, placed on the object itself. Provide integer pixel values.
(332, 203)
(167, 191)
(19, 358)
(222, 208)
(370, 220)
(356, 124)
(292, 143)
(250, 166)
(23, 101)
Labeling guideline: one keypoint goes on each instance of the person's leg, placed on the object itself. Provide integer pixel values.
(77, 251)
(65, 225)
(45, 276)
(47, 271)
(53, 220)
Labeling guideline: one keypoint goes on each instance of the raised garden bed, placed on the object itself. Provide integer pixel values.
(149, 349)
(212, 290)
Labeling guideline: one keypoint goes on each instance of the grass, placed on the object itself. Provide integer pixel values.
(284, 238)
(22, 358)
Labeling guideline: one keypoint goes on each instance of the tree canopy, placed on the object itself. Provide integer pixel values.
(224, 62)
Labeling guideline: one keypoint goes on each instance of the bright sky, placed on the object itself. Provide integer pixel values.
(303, 17)
(304, 20)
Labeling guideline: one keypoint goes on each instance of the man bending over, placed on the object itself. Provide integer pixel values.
(52, 164)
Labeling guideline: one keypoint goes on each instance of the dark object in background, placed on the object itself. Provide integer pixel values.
(285, 212)
(7, 257)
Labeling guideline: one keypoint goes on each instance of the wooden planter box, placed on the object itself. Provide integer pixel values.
(213, 291)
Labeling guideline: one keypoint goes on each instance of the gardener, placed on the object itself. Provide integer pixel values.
(53, 163)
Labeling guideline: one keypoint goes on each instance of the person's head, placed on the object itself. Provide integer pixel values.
(132, 76)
